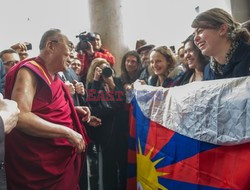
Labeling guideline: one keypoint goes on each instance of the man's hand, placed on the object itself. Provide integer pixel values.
(98, 73)
(70, 87)
(95, 121)
(9, 113)
(20, 46)
(83, 113)
(79, 87)
(110, 82)
(127, 87)
(76, 140)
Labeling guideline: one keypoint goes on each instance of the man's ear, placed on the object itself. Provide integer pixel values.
(223, 29)
(50, 46)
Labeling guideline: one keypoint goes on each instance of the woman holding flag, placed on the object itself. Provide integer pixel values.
(219, 36)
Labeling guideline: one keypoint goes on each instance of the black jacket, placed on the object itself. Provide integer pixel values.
(105, 109)
(152, 81)
(79, 100)
(238, 66)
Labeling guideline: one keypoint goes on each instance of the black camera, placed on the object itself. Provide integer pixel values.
(84, 39)
(107, 72)
(28, 46)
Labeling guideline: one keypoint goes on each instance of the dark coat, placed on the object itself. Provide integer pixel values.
(3, 185)
(238, 66)
(144, 75)
(185, 77)
(152, 81)
(70, 76)
(106, 110)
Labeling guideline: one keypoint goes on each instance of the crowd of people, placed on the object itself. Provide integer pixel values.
(71, 115)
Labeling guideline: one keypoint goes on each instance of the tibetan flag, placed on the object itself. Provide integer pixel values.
(193, 137)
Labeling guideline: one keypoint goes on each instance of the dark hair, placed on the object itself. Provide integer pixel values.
(179, 49)
(96, 33)
(203, 59)
(47, 35)
(7, 51)
(124, 73)
(214, 18)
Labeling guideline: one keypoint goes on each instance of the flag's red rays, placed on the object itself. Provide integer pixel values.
(222, 167)
(157, 137)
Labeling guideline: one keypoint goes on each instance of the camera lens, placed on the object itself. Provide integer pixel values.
(107, 72)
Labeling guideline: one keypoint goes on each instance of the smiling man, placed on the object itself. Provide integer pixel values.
(45, 151)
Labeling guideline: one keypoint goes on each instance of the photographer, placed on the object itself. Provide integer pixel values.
(89, 48)
(22, 48)
(105, 97)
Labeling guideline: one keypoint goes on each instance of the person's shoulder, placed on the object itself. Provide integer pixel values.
(243, 49)
(105, 51)
(72, 73)
(117, 80)
(152, 80)
(242, 54)
(208, 73)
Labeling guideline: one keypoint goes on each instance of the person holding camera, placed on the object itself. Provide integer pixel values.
(105, 96)
(21, 48)
(89, 48)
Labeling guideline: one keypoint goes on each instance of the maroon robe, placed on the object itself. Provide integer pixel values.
(44, 163)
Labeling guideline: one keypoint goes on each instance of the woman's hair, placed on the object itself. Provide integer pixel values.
(246, 25)
(97, 62)
(169, 56)
(124, 73)
(214, 18)
(202, 59)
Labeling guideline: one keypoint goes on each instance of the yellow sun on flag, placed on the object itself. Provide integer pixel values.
(147, 175)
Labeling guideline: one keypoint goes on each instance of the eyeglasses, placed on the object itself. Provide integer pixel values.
(10, 63)
(56, 41)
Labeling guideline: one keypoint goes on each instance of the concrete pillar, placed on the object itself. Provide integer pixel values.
(240, 10)
(105, 18)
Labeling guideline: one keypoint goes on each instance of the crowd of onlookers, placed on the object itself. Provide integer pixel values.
(219, 48)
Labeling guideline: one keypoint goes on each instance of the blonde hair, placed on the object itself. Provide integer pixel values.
(214, 18)
(169, 56)
(97, 62)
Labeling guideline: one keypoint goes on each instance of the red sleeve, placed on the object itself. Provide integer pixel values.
(106, 55)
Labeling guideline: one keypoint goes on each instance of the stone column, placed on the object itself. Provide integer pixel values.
(240, 10)
(105, 18)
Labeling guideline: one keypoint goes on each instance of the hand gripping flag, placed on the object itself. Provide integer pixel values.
(192, 137)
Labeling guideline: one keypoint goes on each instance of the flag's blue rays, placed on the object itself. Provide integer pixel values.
(180, 148)
(171, 184)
